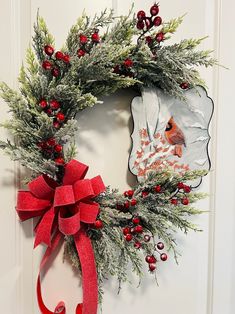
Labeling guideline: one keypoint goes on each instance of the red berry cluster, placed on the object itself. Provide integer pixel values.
(181, 189)
(133, 230)
(156, 189)
(53, 109)
(54, 61)
(127, 204)
(145, 23)
(125, 68)
(87, 43)
(53, 150)
(152, 260)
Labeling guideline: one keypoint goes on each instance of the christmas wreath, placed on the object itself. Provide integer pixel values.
(104, 230)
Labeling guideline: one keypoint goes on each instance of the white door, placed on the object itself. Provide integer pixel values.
(204, 281)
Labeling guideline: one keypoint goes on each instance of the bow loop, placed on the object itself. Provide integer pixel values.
(74, 171)
(43, 187)
(64, 196)
(69, 225)
(88, 212)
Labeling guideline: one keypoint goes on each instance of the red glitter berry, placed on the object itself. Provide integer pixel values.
(145, 194)
(55, 72)
(157, 21)
(137, 245)
(126, 230)
(95, 37)
(136, 220)
(98, 224)
(56, 124)
(152, 267)
(148, 40)
(128, 63)
(49, 50)
(59, 55)
(158, 188)
(60, 116)
(185, 201)
(159, 37)
(151, 259)
(160, 245)
(184, 85)
(141, 15)
(126, 204)
(154, 10)
(59, 161)
(47, 65)
(51, 142)
(58, 148)
(81, 53)
(187, 189)
(140, 25)
(174, 201)
(83, 39)
(133, 202)
(147, 238)
(66, 58)
(128, 237)
(43, 103)
(139, 229)
(163, 257)
(180, 185)
(130, 193)
(54, 104)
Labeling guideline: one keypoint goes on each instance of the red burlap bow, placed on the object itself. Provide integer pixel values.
(65, 210)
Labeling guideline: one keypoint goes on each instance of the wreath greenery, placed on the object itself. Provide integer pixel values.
(100, 56)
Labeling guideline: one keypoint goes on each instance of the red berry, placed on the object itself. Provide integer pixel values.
(60, 116)
(145, 194)
(160, 245)
(95, 37)
(81, 53)
(187, 189)
(149, 40)
(126, 230)
(174, 201)
(130, 193)
(51, 142)
(139, 229)
(56, 124)
(98, 224)
(55, 72)
(49, 50)
(42, 145)
(184, 85)
(58, 148)
(154, 10)
(128, 237)
(180, 185)
(157, 21)
(43, 103)
(151, 259)
(159, 37)
(46, 65)
(116, 69)
(147, 238)
(133, 202)
(49, 112)
(137, 245)
(83, 39)
(158, 188)
(126, 204)
(152, 267)
(128, 63)
(59, 55)
(136, 220)
(148, 22)
(119, 206)
(66, 58)
(141, 15)
(185, 201)
(163, 257)
(54, 104)
(59, 161)
(125, 193)
(140, 25)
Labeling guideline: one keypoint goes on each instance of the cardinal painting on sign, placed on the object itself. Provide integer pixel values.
(170, 132)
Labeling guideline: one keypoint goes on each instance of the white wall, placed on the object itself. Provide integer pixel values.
(204, 281)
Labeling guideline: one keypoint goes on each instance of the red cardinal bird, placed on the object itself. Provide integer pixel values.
(175, 136)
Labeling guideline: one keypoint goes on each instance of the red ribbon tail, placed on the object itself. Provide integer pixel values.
(89, 274)
(60, 308)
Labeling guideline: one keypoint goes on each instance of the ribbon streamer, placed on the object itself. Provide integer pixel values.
(65, 210)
